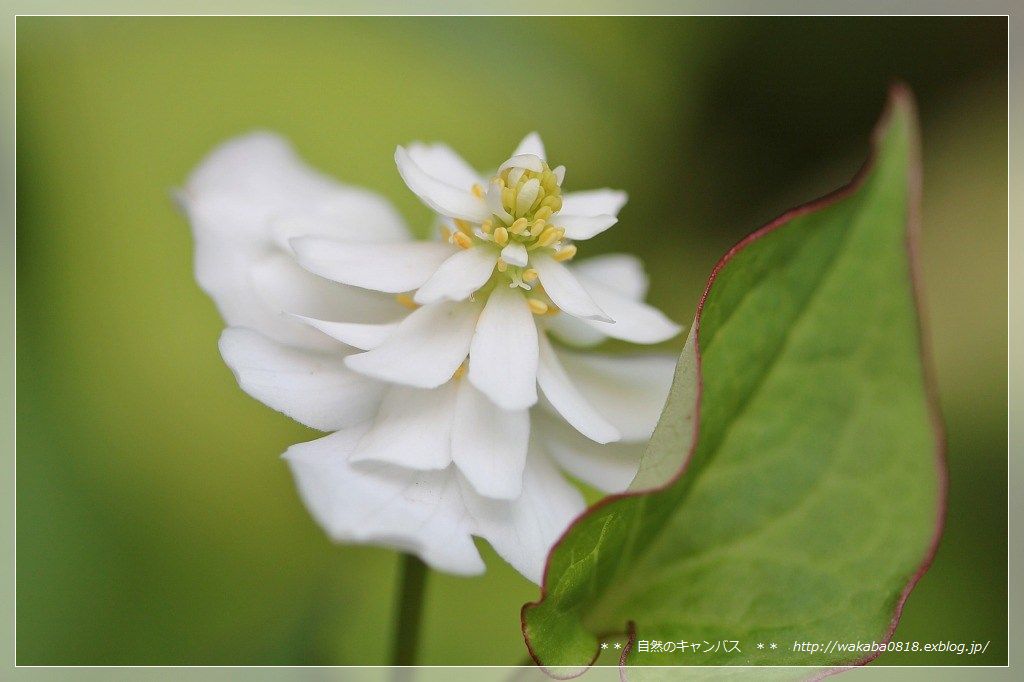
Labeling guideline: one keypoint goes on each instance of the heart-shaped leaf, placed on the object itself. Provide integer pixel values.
(808, 499)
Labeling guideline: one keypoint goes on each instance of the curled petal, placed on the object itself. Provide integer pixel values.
(609, 468)
(523, 530)
(312, 387)
(418, 511)
(629, 390)
(412, 429)
(426, 348)
(459, 276)
(584, 227)
(361, 336)
(503, 354)
(567, 400)
(489, 444)
(515, 253)
(529, 162)
(565, 290)
(594, 202)
(391, 268)
(620, 271)
(444, 163)
(439, 195)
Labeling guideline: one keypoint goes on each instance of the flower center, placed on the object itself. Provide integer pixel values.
(524, 201)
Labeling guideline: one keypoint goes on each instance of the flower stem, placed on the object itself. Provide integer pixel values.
(408, 610)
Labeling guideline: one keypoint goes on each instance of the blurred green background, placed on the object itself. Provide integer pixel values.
(156, 524)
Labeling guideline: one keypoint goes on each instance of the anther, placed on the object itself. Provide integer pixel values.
(501, 236)
(478, 191)
(518, 226)
(406, 300)
(565, 253)
(529, 275)
(487, 226)
(460, 372)
(537, 307)
(462, 239)
(463, 225)
(543, 213)
(538, 227)
(549, 237)
(502, 265)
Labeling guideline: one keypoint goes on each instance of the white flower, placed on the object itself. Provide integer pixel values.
(424, 358)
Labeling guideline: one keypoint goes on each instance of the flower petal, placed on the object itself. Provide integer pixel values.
(459, 276)
(412, 429)
(620, 271)
(629, 390)
(565, 290)
(609, 468)
(444, 163)
(573, 330)
(594, 202)
(239, 199)
(441, 196)
(524, 161)
(515, 253)
(489, 444)
(312, 387)
(361, 336)
(391, 268)
(425, 350)
(583, 227)
(503, 354)
(531, 144)
(635, 321)
(567, 400)
(523, 530)
(416, 511)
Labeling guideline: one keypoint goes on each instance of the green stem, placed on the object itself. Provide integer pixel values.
(408, 610)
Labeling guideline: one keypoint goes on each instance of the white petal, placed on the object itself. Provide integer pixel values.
(503, 355)
(634, 321)
(573, 330)
(412, 429)
(583, 227)
(312, 387)
(568, 401)
(459, 276)
(489, 444)
(522, 531)
(392, 268)
(494, 202)
(454, 202)
(239, 199)
(594, 202)
(609, 468)
(532, 145)
(629, 390)
(619, 271)
(565, 290)
(515, 253)
(525, 161)
(414, 511)
(426, 349)
(442, 162)
(361, 336)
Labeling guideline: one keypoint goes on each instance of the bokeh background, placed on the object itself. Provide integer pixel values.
(156, 523)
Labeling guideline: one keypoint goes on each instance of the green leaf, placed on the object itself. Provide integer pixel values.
(809, 499)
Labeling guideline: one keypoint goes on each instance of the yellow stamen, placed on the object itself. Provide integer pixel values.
(463, 225)
(566, 253)
(529, 275)
(538, 227)
(487, 226)
(446, 234)
(508, 198)
(549, 236)
(537, 307)
(502, 265)
(460, 372)
(462, 239)
(552, 201)
(518, 226)
(552, 310)
(478, 191)
(501, 236)
(406, 300)
(543, 213)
